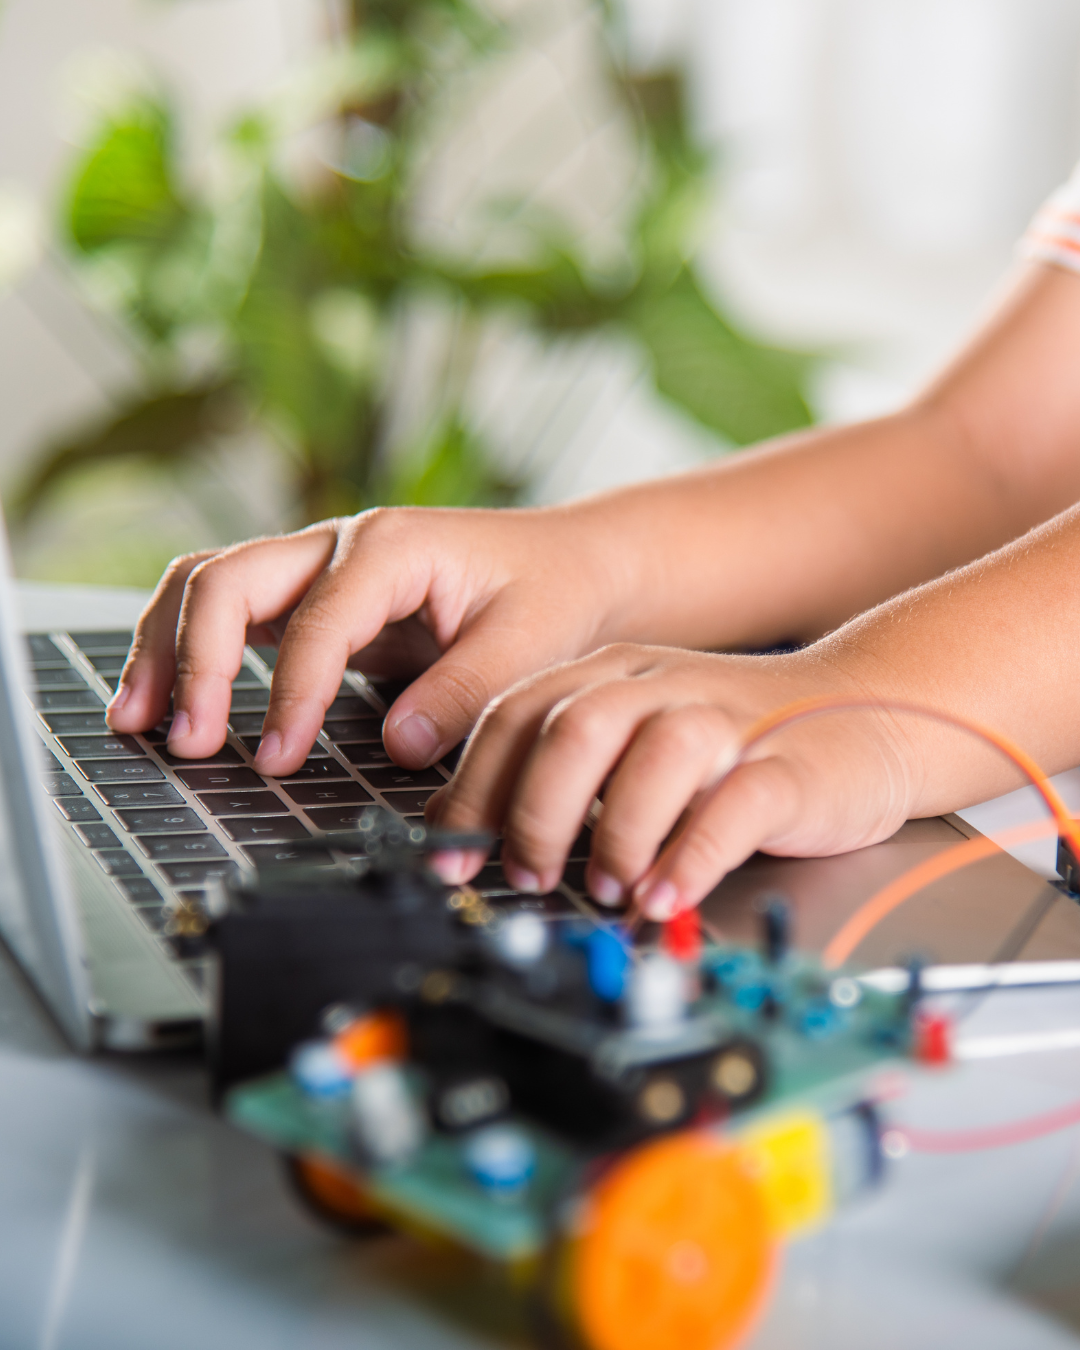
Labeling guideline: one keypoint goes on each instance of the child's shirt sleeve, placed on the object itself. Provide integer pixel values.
(1054, 235)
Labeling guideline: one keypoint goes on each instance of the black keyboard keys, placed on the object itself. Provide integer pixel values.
(367, 755)
(268, 829)
(64, 724)
(385, 779)
(99, 644)
(316, 769)
(250, 700)
(180, 847)
(118, 863)
(134, 794)
(210, 780)
(246, 723)
(328, 794)
(97, 836)
(195, 873)
(267, 855)
(66, 700)
(77, 808)
(355, 729)
(331, 818)
(43, 651)
(58, 677)
(140, 890)
(61, 785)
(242, 803)
(408, 803)
(119, 770)
(161, 821)
(101, 747)
(226, 755)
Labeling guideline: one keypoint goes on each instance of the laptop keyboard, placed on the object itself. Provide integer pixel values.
(161, 827)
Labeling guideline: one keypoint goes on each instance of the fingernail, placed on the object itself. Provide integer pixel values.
(269, 748)
(521, 880)
(660, 902)
(604, 889)
(418, 737)
(180, 728)
(118, 699)
(449, 867)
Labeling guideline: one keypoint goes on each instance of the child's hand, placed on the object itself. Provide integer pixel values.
(653, 729)
(486, 596)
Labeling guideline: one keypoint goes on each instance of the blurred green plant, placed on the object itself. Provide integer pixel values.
(254, 301)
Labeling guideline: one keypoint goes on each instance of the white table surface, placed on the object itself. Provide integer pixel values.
(131, 1218)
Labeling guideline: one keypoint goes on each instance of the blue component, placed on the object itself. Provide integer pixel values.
(751, 995)
(319, 1071)
(729, 965)
(502, 1158)
(819, 1020)
(576, 932)
(608, 959)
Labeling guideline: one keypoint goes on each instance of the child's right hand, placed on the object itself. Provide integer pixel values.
(480, 598)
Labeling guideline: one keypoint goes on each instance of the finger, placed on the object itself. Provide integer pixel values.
(674, 754)
(142, 693)
(224, 596)
(494, 651)
(753, 804)
(479, 795)
(371, 578)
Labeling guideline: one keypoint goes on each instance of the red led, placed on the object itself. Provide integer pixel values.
(933, 1038)
(682, 935)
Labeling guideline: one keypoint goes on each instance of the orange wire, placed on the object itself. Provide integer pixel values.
(890, 896)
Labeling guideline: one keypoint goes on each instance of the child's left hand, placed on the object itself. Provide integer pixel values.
(653, 729)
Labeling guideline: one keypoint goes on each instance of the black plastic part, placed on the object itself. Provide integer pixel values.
(351, 1225)
(777, 925)
(1068, 867)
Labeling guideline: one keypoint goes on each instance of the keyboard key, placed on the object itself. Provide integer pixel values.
(110, 664)
(140, 890)
(77, 808)
(157, 735)
(51, 763)
(331, 818)
(119, 863)
(574, 876)
(243, 803)
(388, 690)
(350, 705)
(195, 873)
(582, 845)
(250, 700)
(58, 699)
(367, 755)
(251, 744)
(406, 803)
(209, 780)
(330, 794)
(355, 729)
(178, 847)
(246, 723)
(153, 794)
(491, 878)
(97, 836)
(119, 770)
(43, 650)
(247, 679)
(156, 917)
(252, 829)
(101, 747)
(62, 724)
(193, 897)
(161, 822)
(61, 785)
(312, 769)
(58, 677)
(270, 855)
(404, 778)
(101, 643)
(226, 755)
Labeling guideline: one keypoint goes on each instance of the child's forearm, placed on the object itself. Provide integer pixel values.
(793, 538)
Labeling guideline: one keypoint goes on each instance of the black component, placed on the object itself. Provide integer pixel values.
(64, 723)
(776, 921)
(180, 847)
(161, 822)
(290, 946)
(101, 747)
(100, 644)
(213, 780)
(264, 829)
(97, 835)
(1067, 866)
(61, 785)
(242, 803)
(119, 770)
(77, 808)
(59, 700)
(914, 992)
(316, 770)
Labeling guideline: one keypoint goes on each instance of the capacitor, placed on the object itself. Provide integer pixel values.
(607, 955)
(682, 935)
(656, 993)
(521, 939)
(502, 1158)
(371, 1037)
(319, 1070)
(386, 1118)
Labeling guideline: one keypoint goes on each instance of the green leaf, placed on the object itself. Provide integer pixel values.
(125, 191)
(745, 390)
(449, 468)
(160, 429)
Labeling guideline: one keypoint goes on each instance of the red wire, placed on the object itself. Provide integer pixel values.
(992, 1136)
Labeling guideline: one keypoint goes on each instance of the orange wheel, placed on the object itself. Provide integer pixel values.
(674, 1250)
(334, 1195)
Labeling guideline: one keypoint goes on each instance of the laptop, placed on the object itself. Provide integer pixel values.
(107, 836)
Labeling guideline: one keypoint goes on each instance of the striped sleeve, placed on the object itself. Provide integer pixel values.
(1054, 235)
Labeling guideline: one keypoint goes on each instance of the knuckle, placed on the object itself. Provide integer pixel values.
(577, 726)
(531, 836)
(464, 690)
